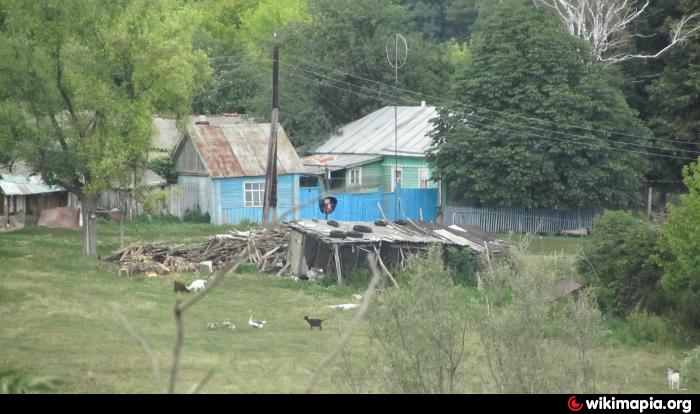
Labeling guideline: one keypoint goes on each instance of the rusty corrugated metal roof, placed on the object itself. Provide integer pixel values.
(240, 150)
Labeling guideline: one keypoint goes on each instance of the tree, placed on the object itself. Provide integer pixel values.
(674, 108)
(680, 246)
(619, 262)
(530, 131)
(421, 328)
(604, 24)
(81, 82)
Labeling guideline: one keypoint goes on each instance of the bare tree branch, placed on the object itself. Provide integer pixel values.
(196, 387)
(603, 25)
(142, 341)
(371, 259)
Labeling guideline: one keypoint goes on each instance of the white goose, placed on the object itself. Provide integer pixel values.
(256, 323)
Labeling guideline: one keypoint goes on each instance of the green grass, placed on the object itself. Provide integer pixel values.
(55, 320)
(560, 245)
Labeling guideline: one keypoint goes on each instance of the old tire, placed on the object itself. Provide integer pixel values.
(381, 223)
(401, 222)
(332, 223)
(362, 228)
(338, 234)
(355, 234)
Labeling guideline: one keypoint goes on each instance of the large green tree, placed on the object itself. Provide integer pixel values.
(674, 104)
(525, 134)
(680, 244)
(80, 82)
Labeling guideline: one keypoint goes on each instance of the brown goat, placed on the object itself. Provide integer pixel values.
(180, 287)
(314, 323)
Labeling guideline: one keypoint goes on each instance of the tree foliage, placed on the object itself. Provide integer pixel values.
(619, 261)
(680, 245)
(80, 84)
(525, 134)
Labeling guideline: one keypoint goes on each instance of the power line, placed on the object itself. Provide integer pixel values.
(510, 130)
(512, 123)
(420, 94)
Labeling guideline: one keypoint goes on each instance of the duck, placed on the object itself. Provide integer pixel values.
(212, 326)
(256, 323)
(228, 325)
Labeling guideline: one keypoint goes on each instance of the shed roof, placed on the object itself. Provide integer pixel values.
(240, 150)
(22, 185)
(410, 233)
(374, 133)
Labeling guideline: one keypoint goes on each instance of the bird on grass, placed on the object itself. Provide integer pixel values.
(256, 323)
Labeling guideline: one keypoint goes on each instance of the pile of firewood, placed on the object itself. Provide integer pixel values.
(267, 250)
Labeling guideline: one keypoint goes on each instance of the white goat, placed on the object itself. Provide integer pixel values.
(674, 379)
(197, 285)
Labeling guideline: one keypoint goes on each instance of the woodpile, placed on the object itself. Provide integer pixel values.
(266, 250)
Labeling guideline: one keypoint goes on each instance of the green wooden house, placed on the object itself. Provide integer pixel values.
(367, 155)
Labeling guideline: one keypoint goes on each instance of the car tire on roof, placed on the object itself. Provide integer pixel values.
(355, 234)
(338, 234)
(362, 228)
(381, 223)
(401, 222)
(332, 223)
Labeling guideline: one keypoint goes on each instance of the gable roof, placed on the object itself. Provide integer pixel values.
(168, 135)
(240, 150)
(374, 133)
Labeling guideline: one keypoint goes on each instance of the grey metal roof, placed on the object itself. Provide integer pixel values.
(374, 133)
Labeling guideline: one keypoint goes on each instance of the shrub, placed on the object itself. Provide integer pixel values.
(680, 250)
(690, 370)
(164, 167)
(619, 261)
(195, 216)
(532, 341)
(464, 264)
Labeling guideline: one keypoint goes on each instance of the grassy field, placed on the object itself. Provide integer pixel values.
(55, 319)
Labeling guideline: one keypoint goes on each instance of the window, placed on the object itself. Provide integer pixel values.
(254, 193)
(395, 178)
(355, 176)
(423, 177)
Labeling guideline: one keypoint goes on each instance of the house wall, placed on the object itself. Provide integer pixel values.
(409, 172)
(228, 195)
(196, 191)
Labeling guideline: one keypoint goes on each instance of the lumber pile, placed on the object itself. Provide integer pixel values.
(266, 250)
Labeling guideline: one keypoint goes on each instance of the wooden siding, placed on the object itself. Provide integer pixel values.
(229, 195)
(409, 172)
(187, 160)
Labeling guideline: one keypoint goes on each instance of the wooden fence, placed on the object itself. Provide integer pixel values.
(521, 220)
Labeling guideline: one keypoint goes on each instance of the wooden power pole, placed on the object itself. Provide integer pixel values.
(270, 195)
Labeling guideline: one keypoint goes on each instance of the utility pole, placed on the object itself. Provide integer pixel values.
(270, 195)
(396, 63)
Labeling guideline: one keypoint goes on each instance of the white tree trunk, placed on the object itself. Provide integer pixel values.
(603, 25)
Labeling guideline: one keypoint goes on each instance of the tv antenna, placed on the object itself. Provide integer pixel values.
(396, 54)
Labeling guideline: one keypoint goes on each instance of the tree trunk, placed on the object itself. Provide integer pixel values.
(88, 204)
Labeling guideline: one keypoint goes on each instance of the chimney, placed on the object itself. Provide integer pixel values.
(201, 120)
(422, 104)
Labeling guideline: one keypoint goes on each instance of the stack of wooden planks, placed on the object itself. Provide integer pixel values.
(267, 250)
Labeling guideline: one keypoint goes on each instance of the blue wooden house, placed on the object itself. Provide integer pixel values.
(221, 170)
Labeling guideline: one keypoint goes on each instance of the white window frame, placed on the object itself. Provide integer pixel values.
(358, 176)
(423, 183)
(393, 177)
(253, 188)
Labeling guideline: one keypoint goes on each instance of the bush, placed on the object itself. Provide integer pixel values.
(690, 370)
(620, 262)
(164, 167)
(464, 264)
(195, 216)
(650, 328)
(534, 343)
(680, 251)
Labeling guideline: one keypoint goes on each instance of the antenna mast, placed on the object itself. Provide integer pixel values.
(396, 61)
